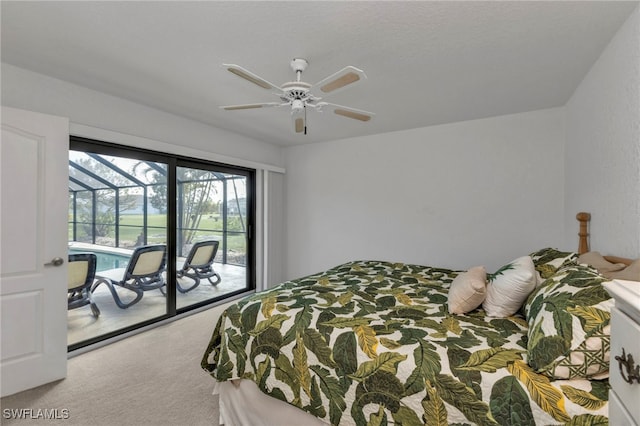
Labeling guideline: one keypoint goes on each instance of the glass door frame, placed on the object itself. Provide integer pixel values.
(250, 176)
(78, 143)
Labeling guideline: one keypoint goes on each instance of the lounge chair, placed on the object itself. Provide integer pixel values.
(143, 273)
(82, 272)
(199, 265)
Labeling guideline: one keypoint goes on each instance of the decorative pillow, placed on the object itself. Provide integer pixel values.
(630, 273)
(509, 287)
(569, 332)
(467, 290)
(548, 260)
(596, 260)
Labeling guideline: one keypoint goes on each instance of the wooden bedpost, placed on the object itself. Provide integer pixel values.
(583, 245)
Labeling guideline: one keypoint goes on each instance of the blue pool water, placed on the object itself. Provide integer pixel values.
(106, 260)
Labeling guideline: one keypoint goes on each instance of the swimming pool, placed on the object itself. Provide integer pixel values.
(106, 261)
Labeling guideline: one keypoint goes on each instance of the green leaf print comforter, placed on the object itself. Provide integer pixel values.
(372, 343)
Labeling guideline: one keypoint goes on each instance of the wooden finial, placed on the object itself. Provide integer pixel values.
(583, 245)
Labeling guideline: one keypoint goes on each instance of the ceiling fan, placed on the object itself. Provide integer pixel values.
(298, 95)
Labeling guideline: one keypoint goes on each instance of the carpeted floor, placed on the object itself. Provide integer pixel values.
(153, 378)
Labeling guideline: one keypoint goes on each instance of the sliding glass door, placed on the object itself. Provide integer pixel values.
(185, 223)
(212, 237)
(110, 216)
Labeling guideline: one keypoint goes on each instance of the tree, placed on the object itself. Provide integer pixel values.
(195, 190)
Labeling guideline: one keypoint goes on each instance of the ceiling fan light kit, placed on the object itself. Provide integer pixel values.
(298, 94)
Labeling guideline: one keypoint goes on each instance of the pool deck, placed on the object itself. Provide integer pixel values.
(82, 325)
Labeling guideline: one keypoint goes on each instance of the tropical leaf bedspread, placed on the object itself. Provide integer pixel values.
(372, 343)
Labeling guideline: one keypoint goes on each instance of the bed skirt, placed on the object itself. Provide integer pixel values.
(242, 403)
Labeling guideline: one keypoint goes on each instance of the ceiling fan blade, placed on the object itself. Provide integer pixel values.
(248, 75)
(344, 77)
(356, 114)
(250, 106)
(299, 118)
(353, 114)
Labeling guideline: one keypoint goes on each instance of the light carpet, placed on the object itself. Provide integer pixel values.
(152, 378)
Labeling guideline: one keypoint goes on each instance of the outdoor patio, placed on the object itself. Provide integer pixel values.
(82, 325)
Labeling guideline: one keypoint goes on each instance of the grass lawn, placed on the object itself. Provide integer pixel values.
(210, 227)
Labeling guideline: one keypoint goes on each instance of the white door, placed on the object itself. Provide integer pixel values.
(34, 158)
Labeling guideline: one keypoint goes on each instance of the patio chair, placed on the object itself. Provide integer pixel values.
(143, 273)
(199, 265)
(82, 272)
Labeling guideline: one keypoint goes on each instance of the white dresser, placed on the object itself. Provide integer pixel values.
(624, 371)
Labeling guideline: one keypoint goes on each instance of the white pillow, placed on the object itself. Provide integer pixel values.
(467, 290)
(509, 287)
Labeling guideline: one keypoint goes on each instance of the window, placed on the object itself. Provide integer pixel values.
(123, 200)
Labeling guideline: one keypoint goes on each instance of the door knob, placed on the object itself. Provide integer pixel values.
(56, 261)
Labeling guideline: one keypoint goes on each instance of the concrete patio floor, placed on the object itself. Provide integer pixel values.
(82, 325)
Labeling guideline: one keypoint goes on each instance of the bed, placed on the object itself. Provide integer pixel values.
(375, 343)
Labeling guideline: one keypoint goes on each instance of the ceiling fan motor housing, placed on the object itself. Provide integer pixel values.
(297, 91)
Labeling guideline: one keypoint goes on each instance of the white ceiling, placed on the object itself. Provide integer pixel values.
(427, 62)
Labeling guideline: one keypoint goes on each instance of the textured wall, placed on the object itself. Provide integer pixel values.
(37, 92)
(479, 192)
(602, 164)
